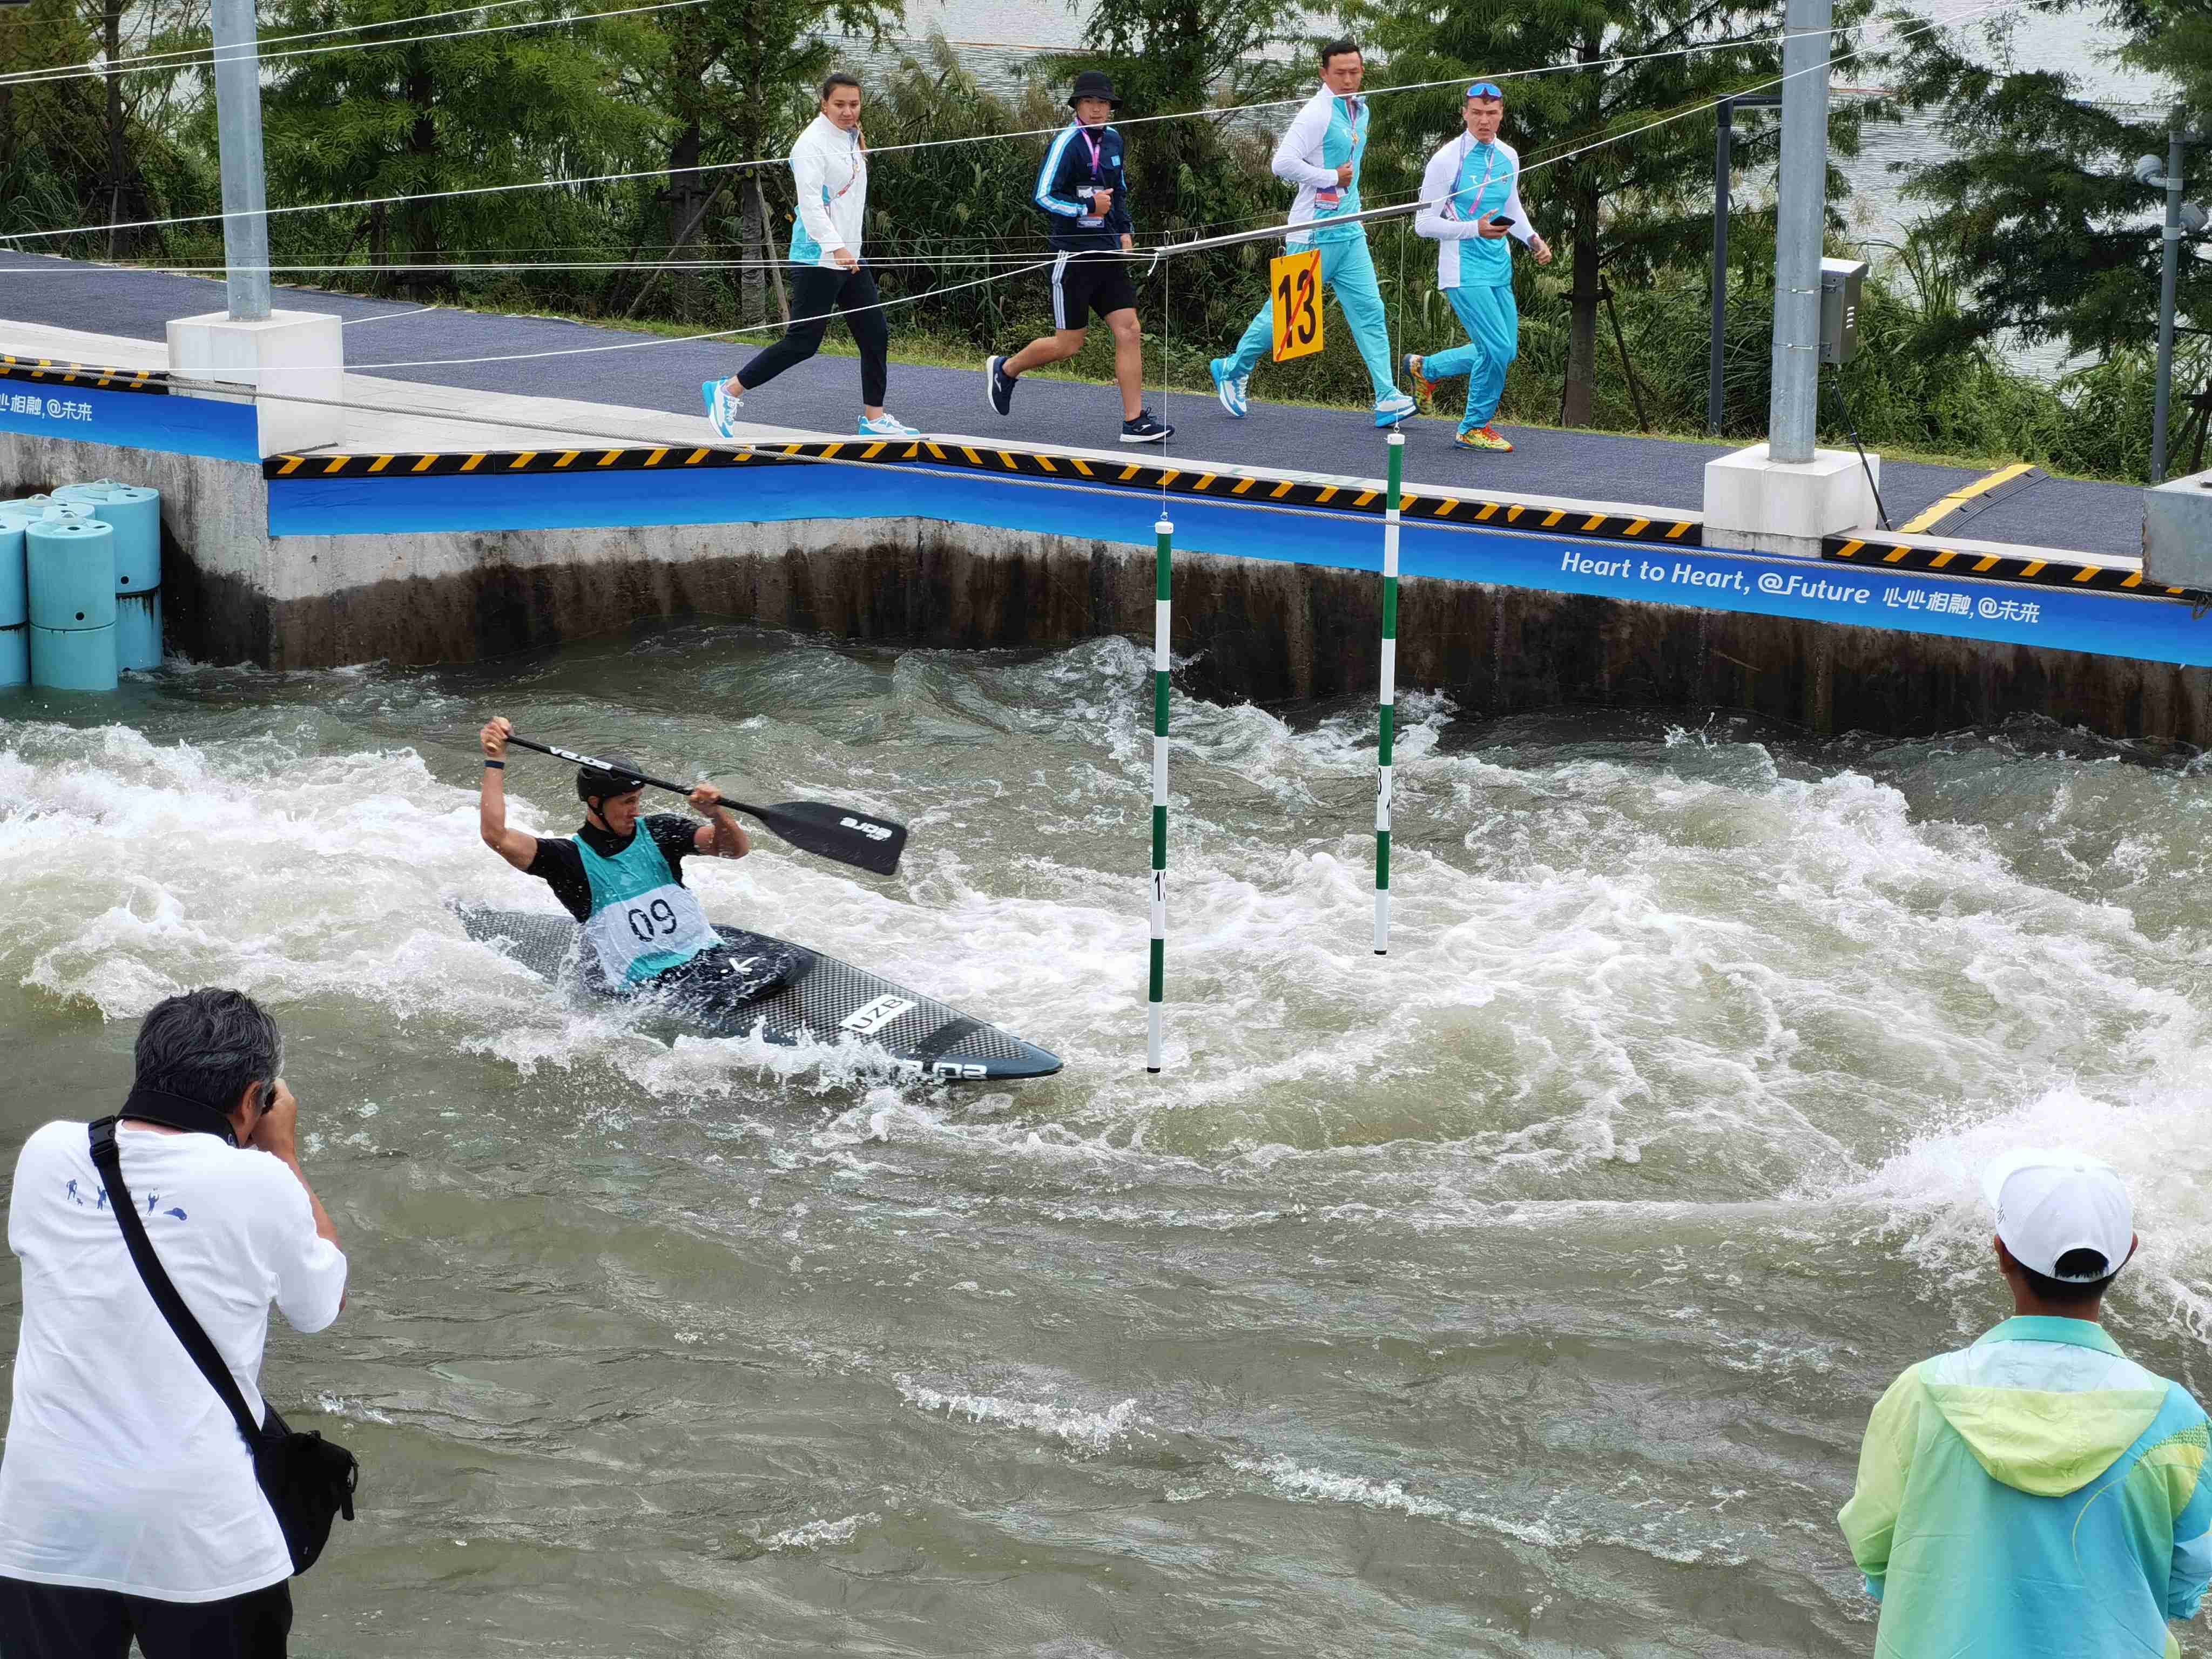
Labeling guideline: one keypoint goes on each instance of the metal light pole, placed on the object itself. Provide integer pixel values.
(1723, 170)
(238, 131)
(1800, 213)
(1722, 164)
(2168, 276)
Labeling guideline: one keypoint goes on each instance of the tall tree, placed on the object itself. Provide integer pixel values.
(417, 119)
(2037, 197)
(78, 140)
(1621, 194)
(734, 82)
(1167, 56)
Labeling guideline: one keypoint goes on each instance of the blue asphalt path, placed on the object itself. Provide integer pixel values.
(824, 396)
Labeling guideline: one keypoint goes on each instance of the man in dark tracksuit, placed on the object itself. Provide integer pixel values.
(1085, 197)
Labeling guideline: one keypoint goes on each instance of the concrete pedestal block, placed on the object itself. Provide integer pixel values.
(2178, 533)
(299, 352)
(1760, 505)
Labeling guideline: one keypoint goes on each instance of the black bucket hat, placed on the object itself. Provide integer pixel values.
(1094, 83)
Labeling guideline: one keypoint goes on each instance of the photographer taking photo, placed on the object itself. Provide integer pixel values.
(130, 1503)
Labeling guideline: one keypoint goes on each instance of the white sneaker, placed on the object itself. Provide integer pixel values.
(887, 425)
(722, 406)
(1389, 411)
(1229, 388)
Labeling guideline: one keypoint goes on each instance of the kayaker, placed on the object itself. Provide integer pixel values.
(644, 927)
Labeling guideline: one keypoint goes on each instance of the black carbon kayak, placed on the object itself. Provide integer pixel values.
(817, 998)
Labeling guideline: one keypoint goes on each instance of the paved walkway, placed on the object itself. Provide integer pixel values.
(823, 396)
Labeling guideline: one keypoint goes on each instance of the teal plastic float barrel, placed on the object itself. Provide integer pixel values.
(15, 606)
(136, 513)
(69, 563)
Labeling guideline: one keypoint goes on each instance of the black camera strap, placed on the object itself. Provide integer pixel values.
(107, 1157)
(178, 1112)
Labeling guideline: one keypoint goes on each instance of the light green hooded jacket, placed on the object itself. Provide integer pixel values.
(2037, 1496)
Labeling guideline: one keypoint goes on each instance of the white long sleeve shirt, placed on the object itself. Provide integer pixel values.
(831, 172)
(1326, 132)
(1464, 183)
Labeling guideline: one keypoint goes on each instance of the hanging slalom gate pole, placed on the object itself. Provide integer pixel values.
(1163, 590)
(1386, 700)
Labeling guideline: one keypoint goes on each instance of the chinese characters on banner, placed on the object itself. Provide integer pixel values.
(1987, 608)
(51, 409)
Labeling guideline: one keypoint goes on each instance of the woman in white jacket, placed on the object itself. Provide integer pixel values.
(829, 164)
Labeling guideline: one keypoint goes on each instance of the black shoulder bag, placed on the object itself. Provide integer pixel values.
(308, 1480)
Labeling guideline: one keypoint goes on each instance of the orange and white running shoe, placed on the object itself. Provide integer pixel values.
(1483, 437)
(1423, 387)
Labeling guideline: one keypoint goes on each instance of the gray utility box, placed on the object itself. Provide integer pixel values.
(1840, 282)
(2177, 533)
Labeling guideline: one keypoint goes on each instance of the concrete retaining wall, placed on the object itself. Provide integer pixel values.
(1261, 629)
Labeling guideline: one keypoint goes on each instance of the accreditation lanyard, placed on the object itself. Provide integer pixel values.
(1489, 167)
(1330, 196)
(1097, 179)
(854, 177)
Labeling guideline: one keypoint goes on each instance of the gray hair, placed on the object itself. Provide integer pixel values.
(210, 1045)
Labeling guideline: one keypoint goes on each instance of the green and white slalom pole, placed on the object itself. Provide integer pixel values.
(1163, 592)
(1387, 698)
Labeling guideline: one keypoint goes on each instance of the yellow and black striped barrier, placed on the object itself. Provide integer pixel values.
(2029, 565)
(46, 371)
(1216, 483)
(487, 463)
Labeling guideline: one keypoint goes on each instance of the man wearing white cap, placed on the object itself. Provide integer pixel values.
(2038, 1493)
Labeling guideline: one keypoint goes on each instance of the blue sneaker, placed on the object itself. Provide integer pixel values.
(722, 406)
(1145, 428)
(1389, 411)
(1230, 388)
(887, 425)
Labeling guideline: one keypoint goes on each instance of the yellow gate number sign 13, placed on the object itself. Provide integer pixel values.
(1294, 279)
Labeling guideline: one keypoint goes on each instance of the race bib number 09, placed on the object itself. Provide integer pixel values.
(1294, 281)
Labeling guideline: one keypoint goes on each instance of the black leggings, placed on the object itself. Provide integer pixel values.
(815, 292)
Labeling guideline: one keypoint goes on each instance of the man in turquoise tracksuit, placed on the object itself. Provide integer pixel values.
(1320, 154)
(1470, 206)
(2038, 1495)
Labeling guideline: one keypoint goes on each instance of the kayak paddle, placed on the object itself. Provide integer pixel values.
(842, 833)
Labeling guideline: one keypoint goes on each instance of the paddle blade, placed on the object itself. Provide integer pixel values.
(836, 832)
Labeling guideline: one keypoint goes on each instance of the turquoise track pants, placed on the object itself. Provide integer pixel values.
(1346, 269)
(1493, 323)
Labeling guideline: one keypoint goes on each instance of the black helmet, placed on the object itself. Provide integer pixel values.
(618, 777)
(1094, 83)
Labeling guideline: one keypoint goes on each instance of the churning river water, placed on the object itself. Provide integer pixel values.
(1521, 1293)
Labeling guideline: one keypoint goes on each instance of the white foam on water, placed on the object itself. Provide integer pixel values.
(332, 1404)
(1090, 1431)
(1679, 951)
(1302, 1484)
(821, 1535)
(1927, 1201)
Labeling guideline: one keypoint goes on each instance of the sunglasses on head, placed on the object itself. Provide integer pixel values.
(1485, 89)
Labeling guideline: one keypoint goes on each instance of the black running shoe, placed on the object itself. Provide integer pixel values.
(1146, 429)
(998, 385)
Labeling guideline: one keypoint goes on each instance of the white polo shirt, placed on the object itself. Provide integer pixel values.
(123, 1470)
